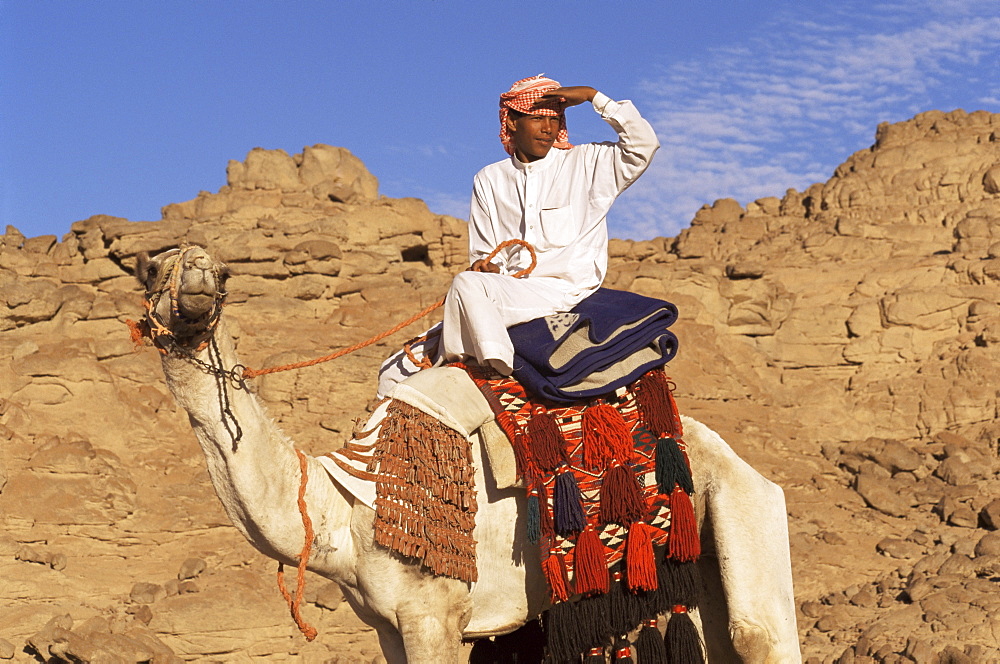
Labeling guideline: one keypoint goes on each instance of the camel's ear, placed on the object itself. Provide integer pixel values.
(143, 269)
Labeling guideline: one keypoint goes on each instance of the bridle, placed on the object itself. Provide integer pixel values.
(168, 283)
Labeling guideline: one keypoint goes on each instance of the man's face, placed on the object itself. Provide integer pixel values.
(533, 135)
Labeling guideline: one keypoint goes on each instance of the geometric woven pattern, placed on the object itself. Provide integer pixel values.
(509, 395)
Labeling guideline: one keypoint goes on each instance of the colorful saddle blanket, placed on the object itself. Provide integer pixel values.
(604, 343)
(607, 480)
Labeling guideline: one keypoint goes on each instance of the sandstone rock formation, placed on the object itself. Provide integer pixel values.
(843, 339)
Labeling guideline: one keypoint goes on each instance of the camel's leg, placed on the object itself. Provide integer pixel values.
(755, 567)
(431, 639)
(392, 645)
(425, 615)
(712, 609)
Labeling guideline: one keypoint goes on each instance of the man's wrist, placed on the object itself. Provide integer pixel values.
(604, 104)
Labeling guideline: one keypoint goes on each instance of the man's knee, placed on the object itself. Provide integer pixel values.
(473, 283)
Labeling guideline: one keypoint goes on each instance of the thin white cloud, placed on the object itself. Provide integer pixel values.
(784, 110)
(426, 151)
(442, 203)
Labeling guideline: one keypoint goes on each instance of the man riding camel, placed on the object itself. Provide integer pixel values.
(556, 200)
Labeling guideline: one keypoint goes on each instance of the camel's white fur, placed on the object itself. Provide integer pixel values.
(748, 613)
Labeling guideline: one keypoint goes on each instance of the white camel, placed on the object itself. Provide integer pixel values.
(747, 613)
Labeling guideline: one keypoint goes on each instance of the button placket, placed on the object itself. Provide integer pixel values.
(531, 214)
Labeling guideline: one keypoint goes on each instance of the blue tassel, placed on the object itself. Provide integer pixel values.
(569, 514)
(534, 519)
(672, 467)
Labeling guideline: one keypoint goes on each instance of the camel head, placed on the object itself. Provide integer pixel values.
(185, 289)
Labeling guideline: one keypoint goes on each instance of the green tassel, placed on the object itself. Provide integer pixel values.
(573, 629)
(671, 467)
(534, 519)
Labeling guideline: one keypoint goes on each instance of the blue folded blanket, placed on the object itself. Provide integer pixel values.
(605, 342)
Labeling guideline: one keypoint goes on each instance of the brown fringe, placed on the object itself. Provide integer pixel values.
(358, 447)
(548, 525)
(425, 504)
(351, 470)
(353, 455)
(621, 496)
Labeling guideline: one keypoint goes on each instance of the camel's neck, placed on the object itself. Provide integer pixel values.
(254, 467)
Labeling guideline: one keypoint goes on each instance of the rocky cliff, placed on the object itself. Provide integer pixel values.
(845, 340)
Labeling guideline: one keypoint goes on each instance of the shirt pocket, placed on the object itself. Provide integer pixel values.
(558, 226)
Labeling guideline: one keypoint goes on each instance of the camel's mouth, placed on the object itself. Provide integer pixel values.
(194, 306)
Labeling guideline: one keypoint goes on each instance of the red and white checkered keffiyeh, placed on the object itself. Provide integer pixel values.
(523, 97)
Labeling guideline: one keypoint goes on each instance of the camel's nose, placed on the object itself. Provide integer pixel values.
(199, 260)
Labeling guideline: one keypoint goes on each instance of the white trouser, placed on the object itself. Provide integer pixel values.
(399, 367)
(480, 306)
(478, 309)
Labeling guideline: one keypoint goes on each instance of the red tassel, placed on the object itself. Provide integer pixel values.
(554, 567)
(640, 563)
(590, 566)
(621, 496)
(685, 544)
(547, 445)
(605, 435)
(655, 401)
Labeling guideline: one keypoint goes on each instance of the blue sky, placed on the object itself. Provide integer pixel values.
(121, 107)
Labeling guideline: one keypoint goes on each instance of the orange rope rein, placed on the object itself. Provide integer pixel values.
(300, 582)
(253, 373)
